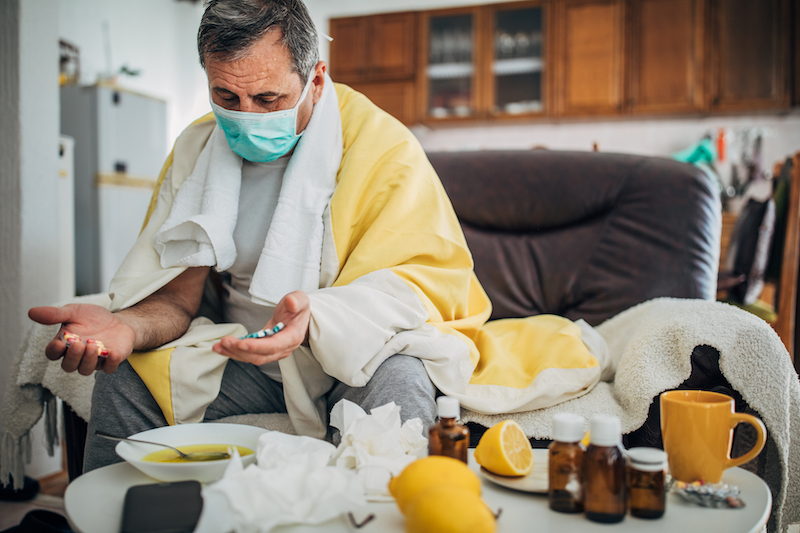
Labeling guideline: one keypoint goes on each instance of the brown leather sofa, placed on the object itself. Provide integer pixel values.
(589, 235)
(584, 234)
(578, 234)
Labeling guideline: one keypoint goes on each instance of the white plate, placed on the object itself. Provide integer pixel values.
(536, 481)
(187, 434)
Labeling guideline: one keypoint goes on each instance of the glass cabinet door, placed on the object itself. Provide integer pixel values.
(450, 66)
(517, 61)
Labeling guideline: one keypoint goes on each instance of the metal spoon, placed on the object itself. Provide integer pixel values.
(193, 456)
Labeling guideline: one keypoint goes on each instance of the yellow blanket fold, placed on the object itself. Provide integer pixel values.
(391, 211)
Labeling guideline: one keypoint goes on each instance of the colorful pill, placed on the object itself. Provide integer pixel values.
(264, 332)
(101, 348)
(68, 338)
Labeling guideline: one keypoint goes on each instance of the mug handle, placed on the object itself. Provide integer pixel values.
(738, 418)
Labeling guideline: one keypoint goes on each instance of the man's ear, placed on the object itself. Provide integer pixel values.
(318, 82)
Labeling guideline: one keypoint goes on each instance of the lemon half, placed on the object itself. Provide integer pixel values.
(505, 450)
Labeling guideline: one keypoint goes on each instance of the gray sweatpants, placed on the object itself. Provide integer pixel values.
(122, 405)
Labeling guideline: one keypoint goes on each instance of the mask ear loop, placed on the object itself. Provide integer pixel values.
(305, 90)
(300, 101)
(320, 36)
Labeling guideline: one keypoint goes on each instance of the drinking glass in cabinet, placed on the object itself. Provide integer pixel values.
(518, 63)
(450, 66)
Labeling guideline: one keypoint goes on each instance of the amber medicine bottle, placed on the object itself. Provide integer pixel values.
(647, 491)
(565, 493)
(448, 437)
(604, 479)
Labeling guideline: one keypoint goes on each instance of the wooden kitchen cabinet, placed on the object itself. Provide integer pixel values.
(450, 56)
(749, 43)
(590, 57)
(796, 45)
(517, 70)
(483, 62)
(396, 98)
(379, 47)
(376, 55)
(666, 72)
(573, 58)
(392, 48)
(348, 49)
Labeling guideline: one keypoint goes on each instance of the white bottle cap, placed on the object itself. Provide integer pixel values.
(448, 407)
(605, 430)
(647, 459)
(568, 427)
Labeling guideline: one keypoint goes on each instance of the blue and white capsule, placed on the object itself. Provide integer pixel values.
(264, 332)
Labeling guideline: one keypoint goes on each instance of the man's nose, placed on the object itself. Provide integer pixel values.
(248, 105)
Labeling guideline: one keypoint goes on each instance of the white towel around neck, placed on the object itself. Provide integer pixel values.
(199, 229)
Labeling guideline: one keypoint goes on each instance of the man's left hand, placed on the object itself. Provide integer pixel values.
(294, 311)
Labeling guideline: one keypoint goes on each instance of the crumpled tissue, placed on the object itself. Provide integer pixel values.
(291, 483)
(376, 445)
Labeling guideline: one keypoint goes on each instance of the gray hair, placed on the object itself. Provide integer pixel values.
(230, 28)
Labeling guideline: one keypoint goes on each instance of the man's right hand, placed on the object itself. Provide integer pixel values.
(158, 319)
(88, 322)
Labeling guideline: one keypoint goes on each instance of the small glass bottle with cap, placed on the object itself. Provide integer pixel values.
(605, 498)
(565, 493)
(647, 482)
(448, 437)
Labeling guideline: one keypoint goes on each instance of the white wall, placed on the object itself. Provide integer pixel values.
(157, 37)
(29, 155)
(660, 137)
(654, 136)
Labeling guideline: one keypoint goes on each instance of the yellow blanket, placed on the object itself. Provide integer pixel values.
(389, 213)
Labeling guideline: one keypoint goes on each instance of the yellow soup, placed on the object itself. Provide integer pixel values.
(169, 456)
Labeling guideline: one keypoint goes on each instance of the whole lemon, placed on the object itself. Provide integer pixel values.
(447, 509)
(505, 450)
(430, 471)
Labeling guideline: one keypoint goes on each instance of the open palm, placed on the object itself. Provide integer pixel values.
(88, 322)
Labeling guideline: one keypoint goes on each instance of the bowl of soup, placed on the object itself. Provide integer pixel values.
(164, 464)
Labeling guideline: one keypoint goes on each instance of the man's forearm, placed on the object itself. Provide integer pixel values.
(166, 314)
(155, 322)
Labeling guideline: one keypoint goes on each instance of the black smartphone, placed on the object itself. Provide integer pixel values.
(162, 508)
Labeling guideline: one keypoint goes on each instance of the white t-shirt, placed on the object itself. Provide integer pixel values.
(258, 197)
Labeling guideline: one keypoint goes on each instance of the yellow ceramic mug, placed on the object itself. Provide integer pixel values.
(697, 429)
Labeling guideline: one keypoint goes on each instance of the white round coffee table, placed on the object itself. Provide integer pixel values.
(93, 504)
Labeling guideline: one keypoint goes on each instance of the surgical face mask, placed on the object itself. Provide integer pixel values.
(261, 137)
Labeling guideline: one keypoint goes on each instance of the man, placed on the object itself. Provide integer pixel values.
(318, 211)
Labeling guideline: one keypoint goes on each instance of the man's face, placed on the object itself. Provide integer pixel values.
(263, 81)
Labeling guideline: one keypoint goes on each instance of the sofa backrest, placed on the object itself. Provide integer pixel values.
(584, 234)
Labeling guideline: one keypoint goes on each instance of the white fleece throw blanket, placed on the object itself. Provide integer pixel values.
(34, 383)
(652, 343)
(199, 229)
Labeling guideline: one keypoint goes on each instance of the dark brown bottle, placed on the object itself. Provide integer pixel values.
(647, 491)
(605, 498)
(448, 437)
(565, 461)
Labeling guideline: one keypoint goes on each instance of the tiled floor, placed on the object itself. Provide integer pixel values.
(50, 497)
